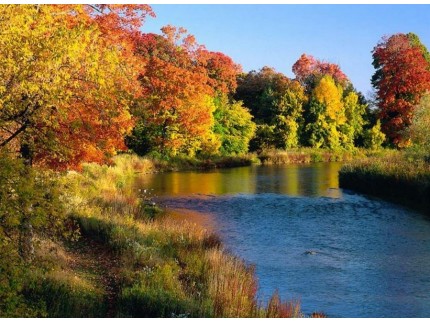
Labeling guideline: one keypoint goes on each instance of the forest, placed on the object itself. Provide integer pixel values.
(88, 99)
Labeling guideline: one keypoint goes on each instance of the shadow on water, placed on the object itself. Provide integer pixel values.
(338, 252)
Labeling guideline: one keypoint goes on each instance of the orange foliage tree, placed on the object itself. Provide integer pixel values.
(221, 70)
(68, 77)
(176, 108)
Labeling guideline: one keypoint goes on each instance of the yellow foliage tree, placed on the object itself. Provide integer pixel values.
(330, 94)
(65, 84)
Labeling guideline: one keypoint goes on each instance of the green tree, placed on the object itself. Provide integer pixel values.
(373, 138)
(418, 131)
(275, 101)
(354, 113)
(233, 125)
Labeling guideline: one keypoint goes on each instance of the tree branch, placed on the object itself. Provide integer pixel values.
(16, 133)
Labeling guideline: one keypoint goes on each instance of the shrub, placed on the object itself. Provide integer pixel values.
(373, 138)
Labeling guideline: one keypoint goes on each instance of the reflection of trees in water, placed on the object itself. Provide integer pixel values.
(293, 180)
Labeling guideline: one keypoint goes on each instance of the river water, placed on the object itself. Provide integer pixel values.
(342, 253)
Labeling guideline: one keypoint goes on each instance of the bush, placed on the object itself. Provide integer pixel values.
(373, 138)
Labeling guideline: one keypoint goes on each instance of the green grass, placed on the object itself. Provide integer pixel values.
(189, 163)
(65, 294)
(392, 175)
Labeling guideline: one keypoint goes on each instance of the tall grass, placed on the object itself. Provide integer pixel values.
(393, 175)
(306, 155)
(167, 268)
(183, 162)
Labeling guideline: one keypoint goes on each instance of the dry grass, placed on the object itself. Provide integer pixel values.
(392, 175)
(167, 268)
(305, 156)
(231, 286)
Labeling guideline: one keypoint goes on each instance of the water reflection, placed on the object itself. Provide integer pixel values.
(294, 180)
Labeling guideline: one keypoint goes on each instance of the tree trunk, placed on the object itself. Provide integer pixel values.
(26, 234)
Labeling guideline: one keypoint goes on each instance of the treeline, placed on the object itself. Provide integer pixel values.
(81, 82)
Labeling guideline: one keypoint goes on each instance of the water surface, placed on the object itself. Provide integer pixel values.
(338, 252)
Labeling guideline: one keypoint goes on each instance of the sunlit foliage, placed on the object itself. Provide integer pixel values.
(402, 76)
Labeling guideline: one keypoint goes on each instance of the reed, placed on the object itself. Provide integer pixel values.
(393, 176)
(306, 155)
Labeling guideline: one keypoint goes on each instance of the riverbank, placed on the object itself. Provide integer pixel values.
(306, 155)
(302, 155)
(132, 261)
(391, 175)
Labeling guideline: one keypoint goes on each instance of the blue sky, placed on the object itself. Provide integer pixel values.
(276, 35)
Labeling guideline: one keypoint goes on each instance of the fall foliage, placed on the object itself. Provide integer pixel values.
(67, 80)
(179, 85)
(81, 83)
(307, 69)
(402, 76)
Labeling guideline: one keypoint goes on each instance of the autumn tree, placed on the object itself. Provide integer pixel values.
(402, 76)
(334, 114)
(308, 70)
(276, 103)
(221, 70)
(325, 114)
(334, 117)
(175, 112)
(67, 79)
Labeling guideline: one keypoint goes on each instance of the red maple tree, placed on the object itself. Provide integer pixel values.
(402, 76)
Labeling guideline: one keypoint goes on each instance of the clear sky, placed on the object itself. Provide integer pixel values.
(276, 35)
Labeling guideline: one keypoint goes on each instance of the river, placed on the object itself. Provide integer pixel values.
(336, 251)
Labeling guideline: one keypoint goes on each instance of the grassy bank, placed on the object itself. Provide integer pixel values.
(191, 163)
(131, 261)
(307, 155)
(392, 175)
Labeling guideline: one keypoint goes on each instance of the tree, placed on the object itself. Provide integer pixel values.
(68, 78)
(418, 131)
(254, 91)
(309, 70)
(221, 69)
(327, 114)
(176, 107)
(276, 101)
(374, 137)
(354, 113)
(334, 115)
(233, 125)
(402, 76)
